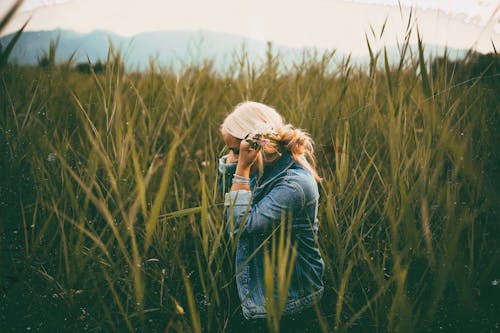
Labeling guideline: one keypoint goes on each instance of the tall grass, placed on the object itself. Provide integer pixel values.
(111, 179)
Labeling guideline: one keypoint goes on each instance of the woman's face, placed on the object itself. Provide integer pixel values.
(232, 143)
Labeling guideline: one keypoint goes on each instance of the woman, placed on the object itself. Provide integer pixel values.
(269, 180)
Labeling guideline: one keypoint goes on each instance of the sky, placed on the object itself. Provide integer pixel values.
(339, 24)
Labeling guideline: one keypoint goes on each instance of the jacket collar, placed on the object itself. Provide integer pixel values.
(283, 164)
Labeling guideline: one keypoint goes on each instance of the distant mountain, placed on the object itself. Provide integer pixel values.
(168, 48)
(165, 47)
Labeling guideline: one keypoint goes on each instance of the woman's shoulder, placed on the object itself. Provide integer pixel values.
(304, 179)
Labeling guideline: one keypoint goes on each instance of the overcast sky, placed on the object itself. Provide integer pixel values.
(339, 24)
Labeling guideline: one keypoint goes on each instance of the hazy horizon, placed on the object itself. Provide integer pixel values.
(338, 24)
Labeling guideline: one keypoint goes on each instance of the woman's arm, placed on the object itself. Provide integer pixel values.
(285, 198)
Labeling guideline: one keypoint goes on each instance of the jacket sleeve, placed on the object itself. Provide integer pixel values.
(284, 198)
(225, 176)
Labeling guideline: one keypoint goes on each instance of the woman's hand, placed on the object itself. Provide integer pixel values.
(247, 156)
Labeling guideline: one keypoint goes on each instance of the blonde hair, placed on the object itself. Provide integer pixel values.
(257, 118)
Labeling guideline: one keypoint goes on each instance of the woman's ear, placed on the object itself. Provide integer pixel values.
(270, 157)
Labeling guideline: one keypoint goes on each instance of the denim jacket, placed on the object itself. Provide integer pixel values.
(287, 187)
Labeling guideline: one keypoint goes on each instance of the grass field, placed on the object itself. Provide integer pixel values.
(111, 220)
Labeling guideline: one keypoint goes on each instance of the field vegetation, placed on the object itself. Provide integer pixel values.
(111, 219)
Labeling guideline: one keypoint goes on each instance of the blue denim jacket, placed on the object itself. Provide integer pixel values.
(287, 187)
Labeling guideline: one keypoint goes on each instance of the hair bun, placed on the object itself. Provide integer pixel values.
(294, 139)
